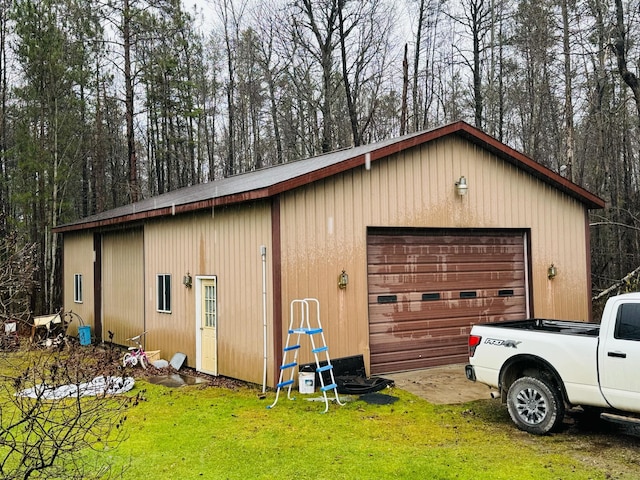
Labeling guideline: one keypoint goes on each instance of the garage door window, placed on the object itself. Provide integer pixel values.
(430, 297)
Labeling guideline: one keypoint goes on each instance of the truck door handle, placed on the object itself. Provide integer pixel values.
(617, 354)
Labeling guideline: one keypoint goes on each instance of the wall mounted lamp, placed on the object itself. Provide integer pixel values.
(186, 280)
(343, 280)
(551, 272)
(461, 186)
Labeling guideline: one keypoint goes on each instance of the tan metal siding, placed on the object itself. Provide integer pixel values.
(78, 258)
(224, 242)
(323, 228)
(122, 285)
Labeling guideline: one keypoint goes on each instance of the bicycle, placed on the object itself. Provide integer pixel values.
(136, 354)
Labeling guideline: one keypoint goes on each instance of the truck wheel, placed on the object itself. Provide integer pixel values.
(534, 405)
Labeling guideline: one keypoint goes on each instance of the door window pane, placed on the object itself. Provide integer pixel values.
(210, 305)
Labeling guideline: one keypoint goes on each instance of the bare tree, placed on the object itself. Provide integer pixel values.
(568, 92)
(127, 39)
(424, 73)
(620, 45)
(45, 437)
(17, 273)
(405, 82)
(4, 91)
(315, 28)
(476, 19)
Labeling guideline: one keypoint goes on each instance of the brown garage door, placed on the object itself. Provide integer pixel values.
(426, 288)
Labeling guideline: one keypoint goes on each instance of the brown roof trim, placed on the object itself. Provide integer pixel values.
(376, 152)
(164, 212)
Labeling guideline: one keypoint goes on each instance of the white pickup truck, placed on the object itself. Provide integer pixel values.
(541, 366)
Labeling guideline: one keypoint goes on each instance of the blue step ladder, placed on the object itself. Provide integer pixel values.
(312, 333)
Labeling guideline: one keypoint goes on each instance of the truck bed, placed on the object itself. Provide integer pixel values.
(553, 326)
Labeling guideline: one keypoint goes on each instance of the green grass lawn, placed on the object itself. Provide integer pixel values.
(218, 433)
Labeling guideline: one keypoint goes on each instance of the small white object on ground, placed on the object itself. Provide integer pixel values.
(98, 386)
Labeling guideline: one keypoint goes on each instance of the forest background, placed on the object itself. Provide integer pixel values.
(106, 102)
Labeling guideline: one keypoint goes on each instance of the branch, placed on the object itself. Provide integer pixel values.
(616, 285)
(618, 224)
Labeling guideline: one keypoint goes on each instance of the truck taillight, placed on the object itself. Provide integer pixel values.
(474, 341)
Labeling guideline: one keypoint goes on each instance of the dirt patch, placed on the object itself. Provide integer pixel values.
(441, 385)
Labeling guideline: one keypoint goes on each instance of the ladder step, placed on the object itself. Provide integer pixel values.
(284, 384)
(308, 331)
(292, 347)
(324, 369)
(288, 365)
(329, 387)
(319, 349)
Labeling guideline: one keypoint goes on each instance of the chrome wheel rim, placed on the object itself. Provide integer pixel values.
(531, 406)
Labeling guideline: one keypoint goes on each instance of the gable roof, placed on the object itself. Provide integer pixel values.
(270, 181)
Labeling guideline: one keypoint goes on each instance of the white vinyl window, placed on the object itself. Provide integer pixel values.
(164, 292)
(77, 288)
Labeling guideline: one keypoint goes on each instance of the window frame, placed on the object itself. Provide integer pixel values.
(78, 296)
(163, 292)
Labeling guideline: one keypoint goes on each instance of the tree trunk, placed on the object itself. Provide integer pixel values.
(416, 67)
(129, 107)
(351, 108)
(568, 93)
(620, 48)
(405, 81)
(476, 27)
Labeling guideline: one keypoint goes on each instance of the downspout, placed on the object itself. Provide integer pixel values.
(263, 252)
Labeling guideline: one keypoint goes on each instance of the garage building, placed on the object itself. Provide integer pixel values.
(436, 231)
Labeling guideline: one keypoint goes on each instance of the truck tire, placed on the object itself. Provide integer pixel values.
(535, 406)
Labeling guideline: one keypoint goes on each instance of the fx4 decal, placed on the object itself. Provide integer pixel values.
(504, 343)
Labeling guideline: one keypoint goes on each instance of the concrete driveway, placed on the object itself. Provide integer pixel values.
(441, 385)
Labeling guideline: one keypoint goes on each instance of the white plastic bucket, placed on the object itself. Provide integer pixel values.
(307, 382)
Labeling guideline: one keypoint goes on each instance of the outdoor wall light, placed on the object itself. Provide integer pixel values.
(461, 186)
(186, 280)
(551, 271)
(343, 280)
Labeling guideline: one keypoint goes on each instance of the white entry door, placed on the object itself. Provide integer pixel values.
(208, 326)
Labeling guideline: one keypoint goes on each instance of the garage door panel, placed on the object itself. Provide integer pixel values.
(438, 347)
(444, 281)
(438, 353)
(499, 265)
(435, 255)
(380, 365)
(426, 290)
(400, 319)
(432, 299)
(444, 237)
(399, 340)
